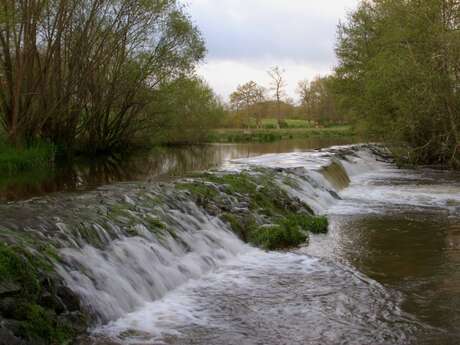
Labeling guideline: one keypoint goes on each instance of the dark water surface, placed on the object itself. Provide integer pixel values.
(402, 229)
(160, 163)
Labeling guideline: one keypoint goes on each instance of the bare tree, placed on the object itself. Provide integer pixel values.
(277, 86)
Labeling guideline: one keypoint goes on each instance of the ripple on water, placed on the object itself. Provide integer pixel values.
(271, 298)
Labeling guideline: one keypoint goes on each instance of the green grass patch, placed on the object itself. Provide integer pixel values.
(43, 324)
(13, 160)
(278, 237)
(313, 224)
(198, 189)
(287, 222)
(271, 135)
(291, 231)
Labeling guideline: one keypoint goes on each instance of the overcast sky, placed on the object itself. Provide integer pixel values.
(246, 37)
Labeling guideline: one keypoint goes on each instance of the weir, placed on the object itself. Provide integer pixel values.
(124, 246)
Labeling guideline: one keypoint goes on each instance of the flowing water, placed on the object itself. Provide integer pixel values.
(388, 271)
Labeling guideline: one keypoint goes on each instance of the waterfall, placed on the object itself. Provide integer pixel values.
(139, 243)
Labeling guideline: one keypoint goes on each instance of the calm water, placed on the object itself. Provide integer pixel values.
(160, 163)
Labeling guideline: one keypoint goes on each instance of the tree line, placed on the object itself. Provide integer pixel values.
(316, 101)
(399, 76)
(98, 75)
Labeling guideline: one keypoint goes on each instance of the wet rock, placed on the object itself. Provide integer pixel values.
(8, 338)
(76, 320)
(8, 307)
(12, 327)
(9, 288)
(53, 302)
(69, 298)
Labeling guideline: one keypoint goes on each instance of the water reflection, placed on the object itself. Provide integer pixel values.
(160, 163)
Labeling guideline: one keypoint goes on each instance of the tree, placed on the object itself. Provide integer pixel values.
(277, 86)
(185, 110)
(399, 76)
(81, 72)
(318, 100)
(245, 97)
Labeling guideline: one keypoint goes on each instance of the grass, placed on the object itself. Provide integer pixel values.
(278, 237)
(271, 135)
(13, 160)
(292, 230)
(273, 123)
(286, 223)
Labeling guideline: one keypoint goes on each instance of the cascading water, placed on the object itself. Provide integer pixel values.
(120, 274)
(154, 266)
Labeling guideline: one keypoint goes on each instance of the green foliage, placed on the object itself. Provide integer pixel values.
(290, 231)
(399, 73)
(16, 268)
(13, 160)
(313, 224)
(278, 237)
(267, 135)
(199, 189)
(23, 272)
(290, 222)
(186, 109)
(319, 101)
(40, 323)
(85, 99)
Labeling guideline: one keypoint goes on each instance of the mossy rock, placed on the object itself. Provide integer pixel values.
(29, 297)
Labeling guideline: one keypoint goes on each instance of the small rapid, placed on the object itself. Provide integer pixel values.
(160, 263)
(120, 273)
(201, 282)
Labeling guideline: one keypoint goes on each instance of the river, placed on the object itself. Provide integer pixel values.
(388, 271)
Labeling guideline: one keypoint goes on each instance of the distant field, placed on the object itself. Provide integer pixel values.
(273, 124)
(268, 135)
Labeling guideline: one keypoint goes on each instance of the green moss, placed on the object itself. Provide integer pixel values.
(291, 230)
(262, 192)
(278, 237)
(241, 226)
(198, 189)
(15, 268)
(43, 324)
(306, 222)
(50, 252)
(267, 202)
(24, 271)
(291, 182)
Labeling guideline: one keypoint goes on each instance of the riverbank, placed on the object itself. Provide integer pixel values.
(272, 134)
(15, 160)
(41, 155)
(159, 163)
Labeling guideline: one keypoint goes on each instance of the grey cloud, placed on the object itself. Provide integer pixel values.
(254, 29)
